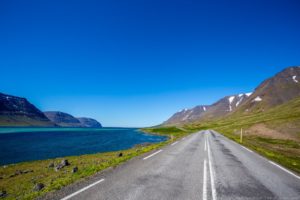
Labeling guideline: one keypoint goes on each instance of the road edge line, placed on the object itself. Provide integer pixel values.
(152, 154)
(83, 189)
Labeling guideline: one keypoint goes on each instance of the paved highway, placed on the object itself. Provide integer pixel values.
(204, 165)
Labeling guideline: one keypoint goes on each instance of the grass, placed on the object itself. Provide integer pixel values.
(284, 152)
(21, 186)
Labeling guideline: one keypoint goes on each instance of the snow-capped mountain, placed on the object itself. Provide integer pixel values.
(281, 88)
(220, 108)
(274, 91)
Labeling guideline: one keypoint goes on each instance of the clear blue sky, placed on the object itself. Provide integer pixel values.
(134, 63)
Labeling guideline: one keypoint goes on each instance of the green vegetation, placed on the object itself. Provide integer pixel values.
(283, 151)
(284, 118)
(172, 132)
(20, 185)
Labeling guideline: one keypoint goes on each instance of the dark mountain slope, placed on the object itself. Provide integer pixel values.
(89, 122)
(63, 119)
(17, 111)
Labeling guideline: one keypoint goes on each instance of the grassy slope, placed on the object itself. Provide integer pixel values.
(285, 152)
(21, 186)
(10, 121)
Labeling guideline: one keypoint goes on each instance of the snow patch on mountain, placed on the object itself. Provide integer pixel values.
(257, 99)
(294, 79)
(230, 99)
(204, 108)
(238, 103)
(248, 94)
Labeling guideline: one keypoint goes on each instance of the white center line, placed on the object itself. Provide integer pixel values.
(174, 143)
(212, 179)
(247, 149)
(83, 189)
(205, 144)
(284, 169)
(152, 155)
(183, 138)
(204, 181)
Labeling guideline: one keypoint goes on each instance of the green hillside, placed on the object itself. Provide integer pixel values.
(281, 144)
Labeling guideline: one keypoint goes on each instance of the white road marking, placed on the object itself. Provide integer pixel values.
(174, 143)
(205, 144)
(204, 181)
(83, 189)
(247, 149)
(211, 172)
(183, 138)
(284, 169)
(152, 155)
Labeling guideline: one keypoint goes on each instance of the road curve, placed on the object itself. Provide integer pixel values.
(204, 165)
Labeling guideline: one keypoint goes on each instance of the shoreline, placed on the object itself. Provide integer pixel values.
(68, 142)
(18, 180)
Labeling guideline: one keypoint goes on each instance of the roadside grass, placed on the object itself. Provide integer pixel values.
(172, 132)
(284, 152)
(20, 186)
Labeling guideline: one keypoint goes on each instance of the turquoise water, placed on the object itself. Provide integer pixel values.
(27, 144)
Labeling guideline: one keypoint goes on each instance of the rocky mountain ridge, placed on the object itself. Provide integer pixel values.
(274, 91)
(18, 111)
(66, 120)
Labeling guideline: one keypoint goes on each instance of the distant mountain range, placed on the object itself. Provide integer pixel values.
(67, 120)
(17, 111)
(272, 92)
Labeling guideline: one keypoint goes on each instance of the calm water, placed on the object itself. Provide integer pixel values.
(26, 144)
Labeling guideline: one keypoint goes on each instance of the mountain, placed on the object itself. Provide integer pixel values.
(279, 89)
(62, 119)
(222, 107)
(225, 106)
(66, 120)
(17, 111)
(89, 122)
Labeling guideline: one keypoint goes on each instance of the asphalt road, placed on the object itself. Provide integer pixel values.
(204, 165)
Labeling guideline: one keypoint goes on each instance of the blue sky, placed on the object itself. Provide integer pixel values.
(134, 63)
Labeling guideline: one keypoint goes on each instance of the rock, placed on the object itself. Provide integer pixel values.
(120, 154)
(51, 165)
(18, 172)
(27, 171)
(3, 193)
(38, 187)
(75, 169)
(65, 163)
(58, 167)
(61, 165)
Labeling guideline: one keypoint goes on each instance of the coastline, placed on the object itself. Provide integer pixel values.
(18, 180)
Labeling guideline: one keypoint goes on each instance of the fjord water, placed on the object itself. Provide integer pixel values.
(27, 144)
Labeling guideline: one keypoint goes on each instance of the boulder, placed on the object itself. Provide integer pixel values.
(3, 193)
(61, 165)
(51, 165)
(38, 187)
(65, 163)
(75, 169)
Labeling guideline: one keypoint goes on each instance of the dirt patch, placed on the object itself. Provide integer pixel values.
(264, 131)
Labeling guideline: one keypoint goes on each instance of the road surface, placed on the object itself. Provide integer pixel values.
(204, 165)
